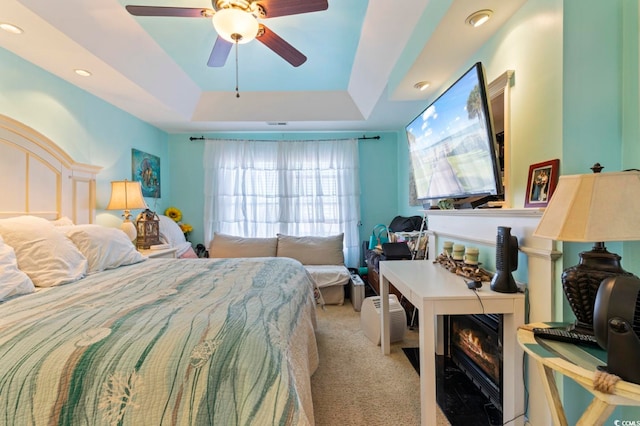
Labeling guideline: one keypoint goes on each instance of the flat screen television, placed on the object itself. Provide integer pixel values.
(452, 144)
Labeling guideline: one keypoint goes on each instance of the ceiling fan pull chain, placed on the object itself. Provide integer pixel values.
(237, 91)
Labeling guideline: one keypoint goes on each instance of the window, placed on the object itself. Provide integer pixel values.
(262, 188)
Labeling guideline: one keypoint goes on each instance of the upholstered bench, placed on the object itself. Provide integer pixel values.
(323, 257)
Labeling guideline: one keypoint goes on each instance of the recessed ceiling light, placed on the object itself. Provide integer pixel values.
(10, 28)
(478, 18)
(81, 72)
(422, 85)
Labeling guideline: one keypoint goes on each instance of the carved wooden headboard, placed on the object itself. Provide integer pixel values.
(38, 178)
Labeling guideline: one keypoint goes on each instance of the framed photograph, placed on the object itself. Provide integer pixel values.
(542, 181)
(145, 168)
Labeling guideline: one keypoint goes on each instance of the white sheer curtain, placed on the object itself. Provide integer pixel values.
(261, 188)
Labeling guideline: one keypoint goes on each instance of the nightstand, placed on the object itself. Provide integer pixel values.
(169, 253)
(579, 363)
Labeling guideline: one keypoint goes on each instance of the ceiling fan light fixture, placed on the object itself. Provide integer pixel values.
(479, 18)
(229, 23)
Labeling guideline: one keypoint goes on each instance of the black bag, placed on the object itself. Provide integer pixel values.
(405, 224)
(201, 251)
(395, 251)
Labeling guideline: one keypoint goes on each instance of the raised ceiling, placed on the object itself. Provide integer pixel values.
(363, 59)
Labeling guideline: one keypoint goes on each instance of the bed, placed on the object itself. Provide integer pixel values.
(107, 336)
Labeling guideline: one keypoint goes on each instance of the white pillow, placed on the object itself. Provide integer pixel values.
(104, 248)
(13, 281)
(43, 253)
(63, 221)
(170, 231)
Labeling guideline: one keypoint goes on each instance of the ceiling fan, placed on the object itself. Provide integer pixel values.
(236, 22)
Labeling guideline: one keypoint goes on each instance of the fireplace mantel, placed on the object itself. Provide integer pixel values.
(479, 226)
(543, 268)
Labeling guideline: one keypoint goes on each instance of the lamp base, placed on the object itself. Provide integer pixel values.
(130, 229)
(581, 282)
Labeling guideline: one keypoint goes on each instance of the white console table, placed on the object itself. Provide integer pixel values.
(435, 291)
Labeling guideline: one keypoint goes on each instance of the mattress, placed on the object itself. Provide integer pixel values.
(188, 342)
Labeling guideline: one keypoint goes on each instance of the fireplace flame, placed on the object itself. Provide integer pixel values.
(472, 345)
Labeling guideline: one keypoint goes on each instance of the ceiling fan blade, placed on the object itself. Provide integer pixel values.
(276, 43)
(184, 12)
(219, 53)
(274, 8)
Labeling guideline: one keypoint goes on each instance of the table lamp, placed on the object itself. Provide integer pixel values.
(127, 195)
(596, 207)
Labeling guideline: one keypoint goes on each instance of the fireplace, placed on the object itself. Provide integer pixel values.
(543, 260)
(475, 347)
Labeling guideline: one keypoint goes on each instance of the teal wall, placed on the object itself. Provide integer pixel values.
(535, 123)
(631, 110)
(536, 92)
(87, 128)
(600, 124)
(378, 174)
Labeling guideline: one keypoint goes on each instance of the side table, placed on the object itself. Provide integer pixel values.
(580, 364)
(169, 253)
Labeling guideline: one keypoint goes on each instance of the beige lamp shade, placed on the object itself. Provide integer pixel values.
(593, 207)
(127, 195)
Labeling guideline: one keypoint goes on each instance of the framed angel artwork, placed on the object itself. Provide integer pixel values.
(145, 168)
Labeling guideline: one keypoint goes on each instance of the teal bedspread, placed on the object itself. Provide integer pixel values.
(163, 342)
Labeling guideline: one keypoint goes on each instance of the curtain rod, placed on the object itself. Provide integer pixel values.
(202, 138)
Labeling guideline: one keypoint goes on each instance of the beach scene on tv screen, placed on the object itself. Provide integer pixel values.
(450, 151)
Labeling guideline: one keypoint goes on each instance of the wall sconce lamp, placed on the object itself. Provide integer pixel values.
(596, 207)
(127, 195)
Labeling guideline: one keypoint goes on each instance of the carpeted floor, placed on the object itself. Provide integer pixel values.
(355, 384)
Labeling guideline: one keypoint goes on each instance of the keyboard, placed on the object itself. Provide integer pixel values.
(563, 335)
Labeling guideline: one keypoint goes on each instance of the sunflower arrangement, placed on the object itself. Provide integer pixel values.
(175, 214)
